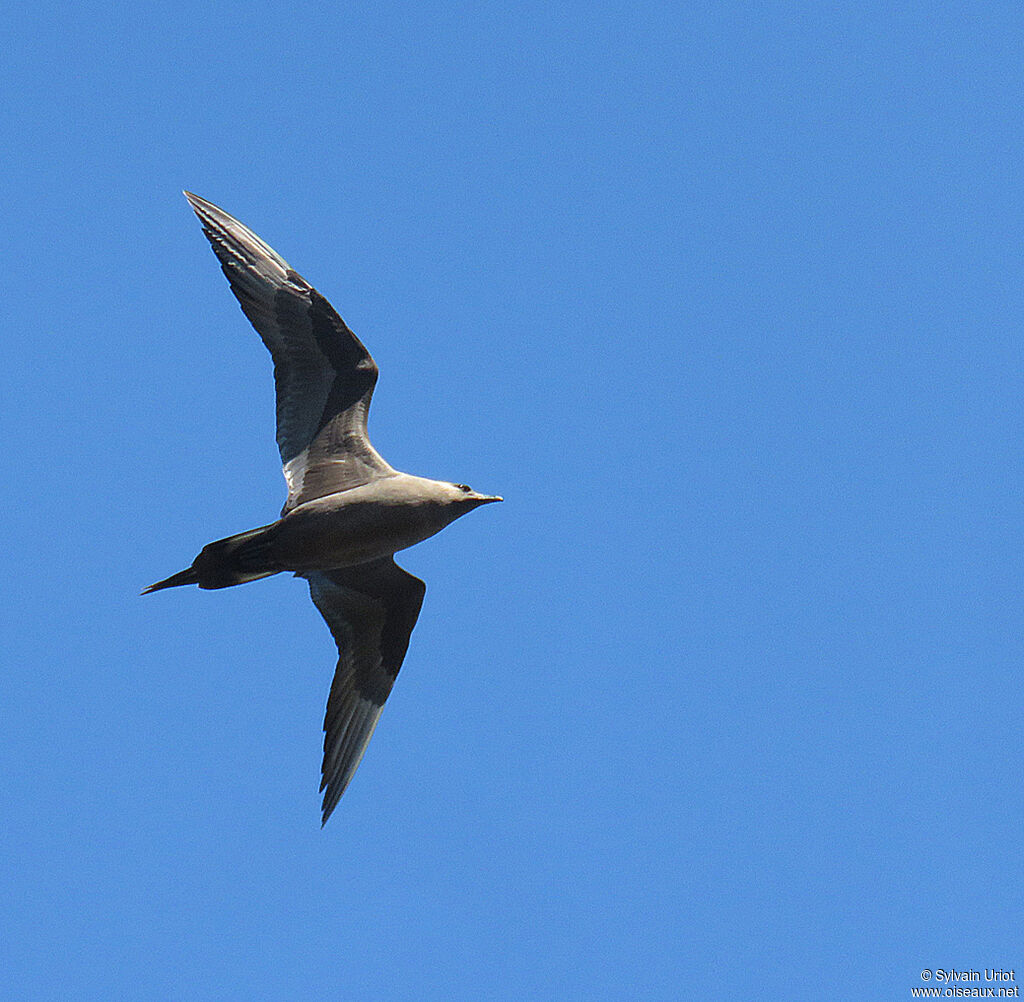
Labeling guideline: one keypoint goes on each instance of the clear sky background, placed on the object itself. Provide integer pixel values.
(724, 701)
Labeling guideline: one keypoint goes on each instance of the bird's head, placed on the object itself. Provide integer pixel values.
(465, 496)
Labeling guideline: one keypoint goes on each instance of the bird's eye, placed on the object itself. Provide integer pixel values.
(465, 488)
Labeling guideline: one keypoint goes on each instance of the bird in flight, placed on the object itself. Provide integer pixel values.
(347, 511)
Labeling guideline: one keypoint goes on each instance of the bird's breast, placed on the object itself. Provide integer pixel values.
(339, 532)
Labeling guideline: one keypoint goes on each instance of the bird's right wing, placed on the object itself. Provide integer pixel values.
(371, 610)
(323, 374)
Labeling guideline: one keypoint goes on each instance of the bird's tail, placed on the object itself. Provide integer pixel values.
(184, 577)
(226, 562)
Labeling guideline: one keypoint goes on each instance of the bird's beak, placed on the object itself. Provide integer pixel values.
(487, 498)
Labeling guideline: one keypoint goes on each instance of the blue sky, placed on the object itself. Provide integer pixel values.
(724, 700)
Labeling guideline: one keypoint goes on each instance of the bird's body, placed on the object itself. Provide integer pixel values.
(343, 529)
(347, 511)
(367, 522)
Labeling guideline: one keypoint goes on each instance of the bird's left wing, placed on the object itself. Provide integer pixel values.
(371, 610)
(323, 373)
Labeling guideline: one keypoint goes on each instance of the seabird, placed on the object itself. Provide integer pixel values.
(347, 511)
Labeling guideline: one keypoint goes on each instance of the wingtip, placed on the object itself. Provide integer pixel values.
(330, 801)
(198, 204)
(232, 236)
